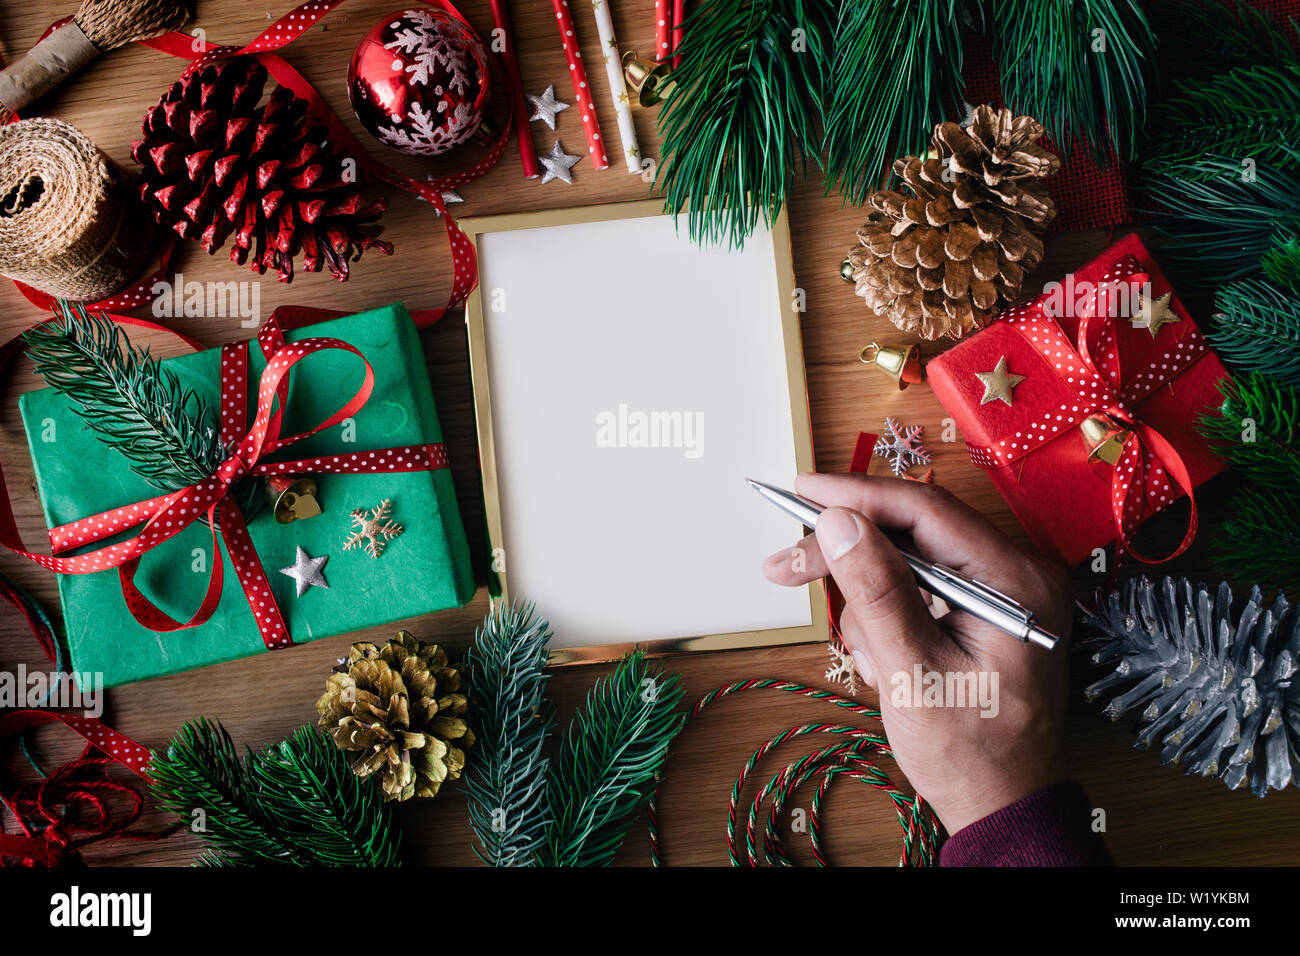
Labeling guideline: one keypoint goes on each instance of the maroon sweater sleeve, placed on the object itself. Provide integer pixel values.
(1052, 827)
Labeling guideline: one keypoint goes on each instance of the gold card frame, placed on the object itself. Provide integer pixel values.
(473, 227)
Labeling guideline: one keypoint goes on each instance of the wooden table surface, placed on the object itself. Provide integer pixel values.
(1154, 814)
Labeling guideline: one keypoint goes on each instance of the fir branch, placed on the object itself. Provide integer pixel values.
(505, 782)
(896, 74)
(298, 804)
(1053, 70)
(1257, 328)
(1257, 429)
(743, 112)
(1250, 112)
(129, 399)
(1200, 38)
(608, 761)
(1221, 220)
(1261, 539)
(1282, 264)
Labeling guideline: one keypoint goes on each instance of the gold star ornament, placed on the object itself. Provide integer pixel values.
(998, 383)
(1153, 314)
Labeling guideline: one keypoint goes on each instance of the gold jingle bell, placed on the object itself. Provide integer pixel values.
(649, 81)
(902, 363)
(846, 271)
(1104, 438)
(292, 499)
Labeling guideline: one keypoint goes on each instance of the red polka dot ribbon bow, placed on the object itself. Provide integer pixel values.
(1147, 463)
(167, 515)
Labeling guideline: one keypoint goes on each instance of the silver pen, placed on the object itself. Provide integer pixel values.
(988, 604)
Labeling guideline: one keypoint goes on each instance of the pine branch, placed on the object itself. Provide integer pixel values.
(1249, 112)
(128, 398)
(1282, 264)
(298, 804)
(505, 782)
(743, 113)
(896, 74)
(1257, 328)
(608, 762)
(1257, 429)
(1199, 38)
(1261, 539)
(1053, 68)
(1222, 217)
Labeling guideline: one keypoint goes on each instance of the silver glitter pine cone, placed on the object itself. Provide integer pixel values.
(1214, 688)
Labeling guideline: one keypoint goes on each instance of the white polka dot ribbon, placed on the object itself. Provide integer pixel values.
(1141, 479)
(165, 516)
(118, 746)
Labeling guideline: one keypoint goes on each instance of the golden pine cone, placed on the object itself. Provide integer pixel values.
(401, 711)
(939, 259)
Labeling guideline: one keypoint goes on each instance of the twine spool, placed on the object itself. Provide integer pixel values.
(69, 225)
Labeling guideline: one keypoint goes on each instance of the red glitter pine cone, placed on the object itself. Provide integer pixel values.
(219, 164)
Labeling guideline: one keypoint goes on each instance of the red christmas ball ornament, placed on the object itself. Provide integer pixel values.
(419, 81)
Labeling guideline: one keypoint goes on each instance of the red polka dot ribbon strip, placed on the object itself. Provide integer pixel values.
(165, 516)
(1148, 463)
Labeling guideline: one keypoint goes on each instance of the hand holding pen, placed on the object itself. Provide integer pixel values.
(967, 757)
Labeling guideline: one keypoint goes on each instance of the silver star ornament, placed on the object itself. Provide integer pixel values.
(558, 163)
(306, 571)
(546, 106)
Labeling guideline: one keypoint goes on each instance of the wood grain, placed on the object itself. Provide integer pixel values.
(1154, 815)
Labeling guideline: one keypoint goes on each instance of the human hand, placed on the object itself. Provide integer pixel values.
(970, 754)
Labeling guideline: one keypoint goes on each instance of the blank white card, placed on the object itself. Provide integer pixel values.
(636, 380)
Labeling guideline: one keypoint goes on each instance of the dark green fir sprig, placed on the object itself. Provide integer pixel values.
(296, 804)
(608, 761)
(1261, 539)
(1256, 327)
(1201, 38)
(505, 782)
(130, 400)
(1257, 430)
(1084, 68)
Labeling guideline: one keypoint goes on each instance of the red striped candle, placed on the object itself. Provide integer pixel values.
(663, 30)
(581, 89)
(519, 106)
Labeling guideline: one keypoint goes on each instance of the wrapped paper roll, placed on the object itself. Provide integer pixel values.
(69, 225)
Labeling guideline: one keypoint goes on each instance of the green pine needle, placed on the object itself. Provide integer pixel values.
(1248, 112)
(296, 804)
(743, 113)
(1257, 328)
(1081, 67)
(1261, 539)
(608, 762)
(896, 74)
(1223, 216)
(129, 399)
(505, 782)
(1200, 38)
(1282, 264)
(1257, 429)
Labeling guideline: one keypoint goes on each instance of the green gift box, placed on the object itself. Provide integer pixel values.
(426, 568)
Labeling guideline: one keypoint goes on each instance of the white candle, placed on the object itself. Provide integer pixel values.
(617, 88)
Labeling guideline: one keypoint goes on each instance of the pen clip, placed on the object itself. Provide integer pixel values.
(990, 594)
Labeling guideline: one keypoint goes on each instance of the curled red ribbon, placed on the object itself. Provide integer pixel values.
(1149, 462)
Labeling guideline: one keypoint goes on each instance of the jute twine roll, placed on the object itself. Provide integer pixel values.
(69, 226)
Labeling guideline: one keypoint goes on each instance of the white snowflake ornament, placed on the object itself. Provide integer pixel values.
(901, 446)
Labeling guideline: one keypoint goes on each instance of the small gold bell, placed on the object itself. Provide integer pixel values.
(846, 271)
(1104, 438)
(650, 81)
(902, 363)
(292, 499)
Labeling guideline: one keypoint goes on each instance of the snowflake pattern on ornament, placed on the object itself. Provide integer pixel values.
(424, 42)
(426, 136)
(901, 446)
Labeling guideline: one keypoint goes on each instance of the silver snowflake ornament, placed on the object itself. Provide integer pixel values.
(546, 106)
(842, 670)
(373, 529)
(558, 163)
(901, 446)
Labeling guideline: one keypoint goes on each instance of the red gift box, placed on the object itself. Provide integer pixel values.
(1085, 361)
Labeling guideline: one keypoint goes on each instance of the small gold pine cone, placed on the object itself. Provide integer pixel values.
(400, 711)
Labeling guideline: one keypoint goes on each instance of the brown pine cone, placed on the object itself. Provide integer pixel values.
(941, 257)
(401, 711)
(217, 163)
